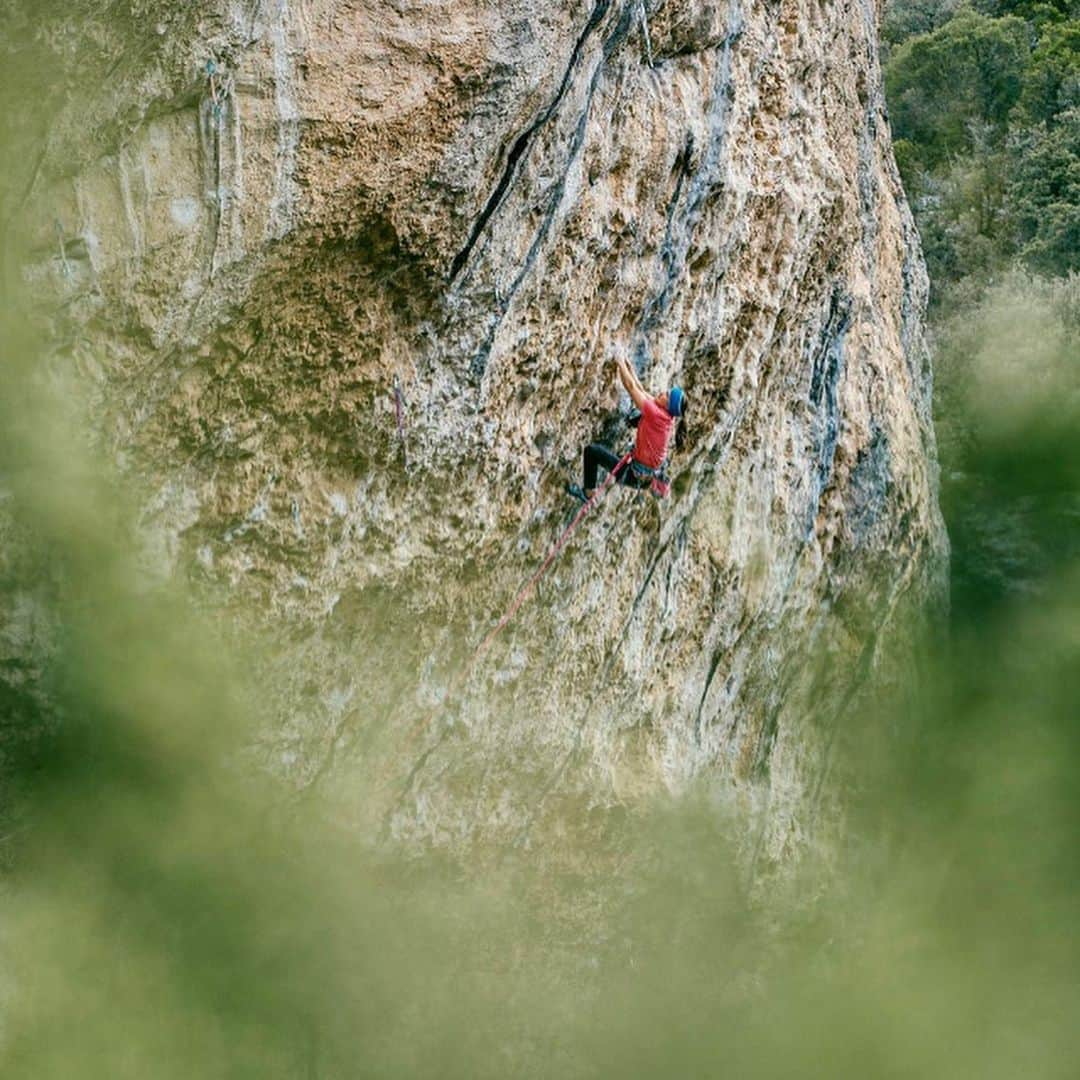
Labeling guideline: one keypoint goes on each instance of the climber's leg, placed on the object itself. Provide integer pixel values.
(597, 457)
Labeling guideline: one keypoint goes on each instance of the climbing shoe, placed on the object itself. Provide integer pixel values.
(577, 492)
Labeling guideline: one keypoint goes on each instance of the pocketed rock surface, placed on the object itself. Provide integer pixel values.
(340, 280)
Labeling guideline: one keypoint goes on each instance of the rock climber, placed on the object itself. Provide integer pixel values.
(646, 466)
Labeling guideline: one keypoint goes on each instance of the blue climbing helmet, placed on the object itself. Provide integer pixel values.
(675, 401)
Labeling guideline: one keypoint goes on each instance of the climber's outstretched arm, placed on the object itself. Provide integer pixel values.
(631, 382)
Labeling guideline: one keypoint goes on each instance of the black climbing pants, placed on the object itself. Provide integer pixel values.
(600, 457)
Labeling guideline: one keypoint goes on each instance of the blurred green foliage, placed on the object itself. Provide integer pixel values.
(984, 100)
(170, 910)
(174, 911)
(1008, 412)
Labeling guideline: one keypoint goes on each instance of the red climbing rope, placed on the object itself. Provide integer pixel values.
(512, 610)
(552, 555)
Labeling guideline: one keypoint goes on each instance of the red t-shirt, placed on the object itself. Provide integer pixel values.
(653, 433)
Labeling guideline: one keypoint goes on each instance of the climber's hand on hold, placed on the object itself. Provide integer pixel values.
(630, 381)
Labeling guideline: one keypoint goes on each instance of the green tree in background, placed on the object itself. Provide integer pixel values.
(904, 20)
(1052, 78)
(985, 109)
(1043, 202)
(1033, 11)
(968, 71)
(984, 102)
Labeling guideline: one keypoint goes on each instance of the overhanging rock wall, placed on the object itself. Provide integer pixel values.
(252, 221)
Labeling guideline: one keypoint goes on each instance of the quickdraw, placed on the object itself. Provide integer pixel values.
(63, 248)
(644, 16)
(399, 416)
(216, 92)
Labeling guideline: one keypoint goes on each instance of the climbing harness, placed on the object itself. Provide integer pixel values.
(399, 415)
(657, 479)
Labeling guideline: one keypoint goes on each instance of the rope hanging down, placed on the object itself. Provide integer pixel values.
(511, 611)
(552, 555)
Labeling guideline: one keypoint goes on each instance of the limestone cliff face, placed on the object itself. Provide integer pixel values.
(273, 222)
